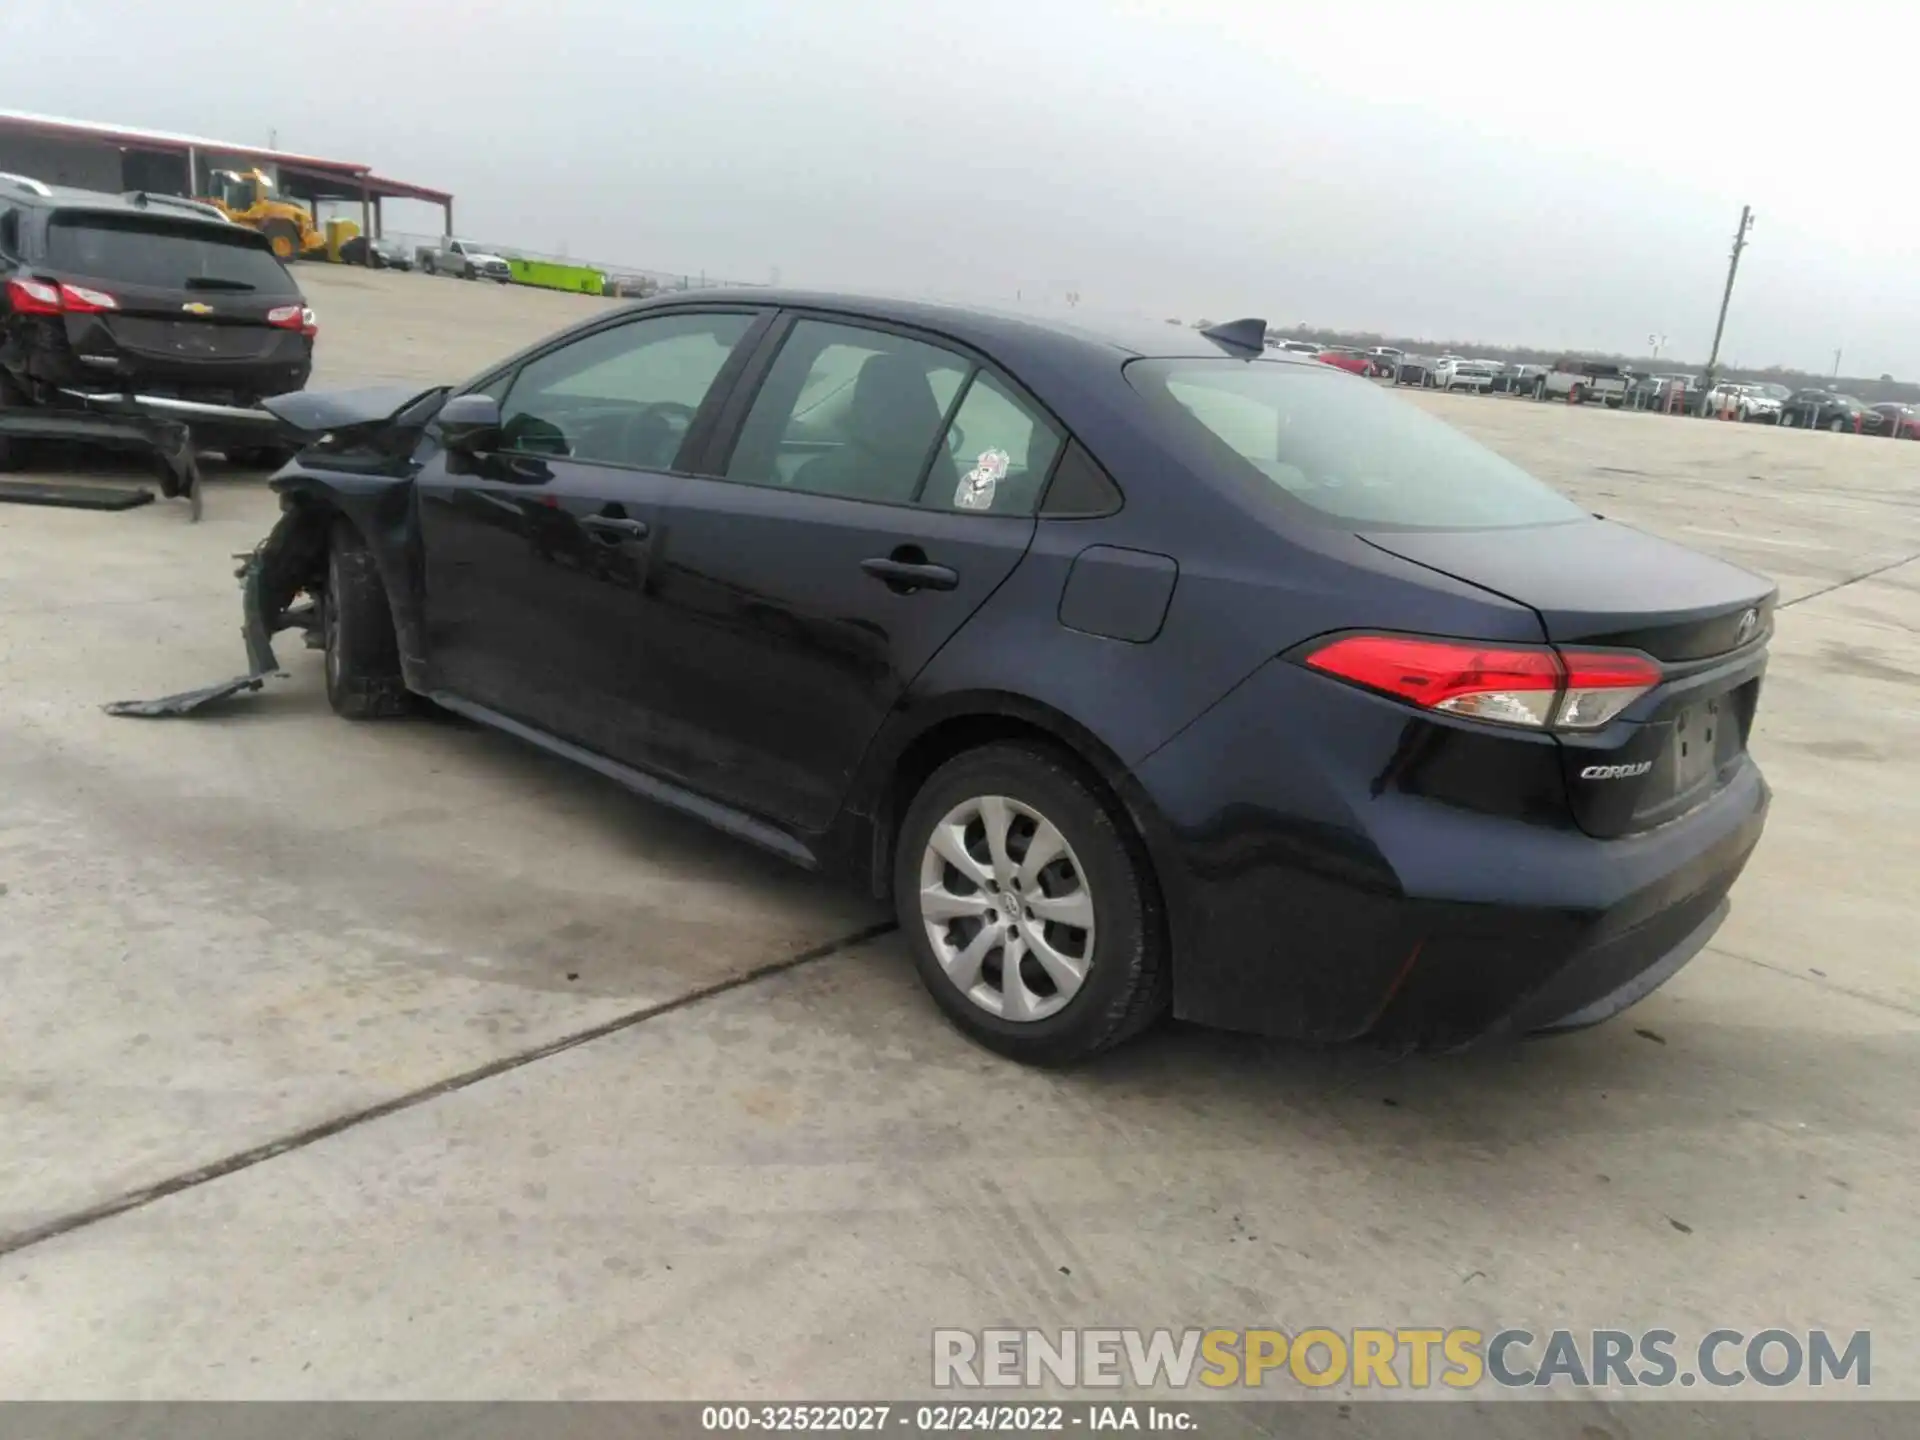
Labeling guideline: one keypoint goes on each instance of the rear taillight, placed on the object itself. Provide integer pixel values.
(1509, 685)
(79, 300)
(43, 297)
(1600, 685)
(294, 317)
(33, 297)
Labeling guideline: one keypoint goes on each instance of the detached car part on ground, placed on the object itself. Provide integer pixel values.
(126, 321)
(1142, 669)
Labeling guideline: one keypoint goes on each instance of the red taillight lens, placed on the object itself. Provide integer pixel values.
(42, 297)
(33, 297)
(294, 317)
(79, 300)
(1509, 685)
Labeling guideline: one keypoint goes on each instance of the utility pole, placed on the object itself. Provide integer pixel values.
(1733, 268)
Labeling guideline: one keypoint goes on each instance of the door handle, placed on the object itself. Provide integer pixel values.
(612, 529)
(907, 576)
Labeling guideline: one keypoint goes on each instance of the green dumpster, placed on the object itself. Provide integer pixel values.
(552, 275)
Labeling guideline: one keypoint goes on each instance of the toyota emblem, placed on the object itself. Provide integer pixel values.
(1749, 623)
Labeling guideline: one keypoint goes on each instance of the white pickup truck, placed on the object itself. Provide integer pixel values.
(1578, 381)
(464, 259)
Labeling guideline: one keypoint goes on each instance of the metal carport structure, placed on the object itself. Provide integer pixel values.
(150, 159)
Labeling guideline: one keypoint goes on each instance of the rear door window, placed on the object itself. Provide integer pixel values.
(1344, 449)
(1003, 449)
(162, 254)
(850, 411)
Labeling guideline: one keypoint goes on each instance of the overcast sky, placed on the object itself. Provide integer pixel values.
(1506, 171)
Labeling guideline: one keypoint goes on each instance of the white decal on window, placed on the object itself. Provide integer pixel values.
(977, 485)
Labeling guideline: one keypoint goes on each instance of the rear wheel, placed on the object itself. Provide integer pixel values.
(284, 237)
(1786, 419)
(1033, 917)
(1837, 425)
(356, 624)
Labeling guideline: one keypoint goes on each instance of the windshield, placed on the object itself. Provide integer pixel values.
(162, 253)
(1347, 449)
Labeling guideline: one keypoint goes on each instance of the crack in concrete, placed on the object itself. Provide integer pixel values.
(300, 1139)
(1843, 584)
(1821, 982)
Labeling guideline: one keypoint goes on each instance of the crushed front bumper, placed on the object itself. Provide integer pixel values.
(171, 429)
(271, 578)
(170, 440)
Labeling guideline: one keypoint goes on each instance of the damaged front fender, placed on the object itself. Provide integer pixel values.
(290, 559)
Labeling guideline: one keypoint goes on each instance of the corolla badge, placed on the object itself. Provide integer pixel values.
(194, 307)
(1615, 772)
(1749, 623)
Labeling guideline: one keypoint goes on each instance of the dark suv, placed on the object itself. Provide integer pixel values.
(142, 307)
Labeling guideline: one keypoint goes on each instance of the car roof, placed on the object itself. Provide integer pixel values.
(984, 327)
(101, 202)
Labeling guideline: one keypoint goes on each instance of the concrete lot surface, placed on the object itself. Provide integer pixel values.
(399, 1061)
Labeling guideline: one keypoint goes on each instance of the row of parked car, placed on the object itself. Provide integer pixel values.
(1618, 387)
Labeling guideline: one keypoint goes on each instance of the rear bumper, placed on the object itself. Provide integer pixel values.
(95, 365)
(1336, 867)
(210, 425)
(166, 407)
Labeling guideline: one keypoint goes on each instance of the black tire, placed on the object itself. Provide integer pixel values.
(284, 237)
(1786, 419)
(356, 623)
(15, 453)
(429, 266)
(1127, 979)
(1838, 425)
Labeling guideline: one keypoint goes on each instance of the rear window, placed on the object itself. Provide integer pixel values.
(144, 250)
(1347, 449)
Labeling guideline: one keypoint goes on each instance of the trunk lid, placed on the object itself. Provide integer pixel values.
(1603, 584)
(1600, 585)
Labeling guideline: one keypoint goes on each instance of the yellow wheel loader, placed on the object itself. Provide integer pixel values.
(246, 197)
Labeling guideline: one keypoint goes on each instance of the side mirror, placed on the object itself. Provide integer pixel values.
(470, 424)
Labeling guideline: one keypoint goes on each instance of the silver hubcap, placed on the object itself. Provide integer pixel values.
(1007, 908)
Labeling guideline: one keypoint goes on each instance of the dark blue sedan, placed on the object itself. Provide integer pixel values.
(1146, 670)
